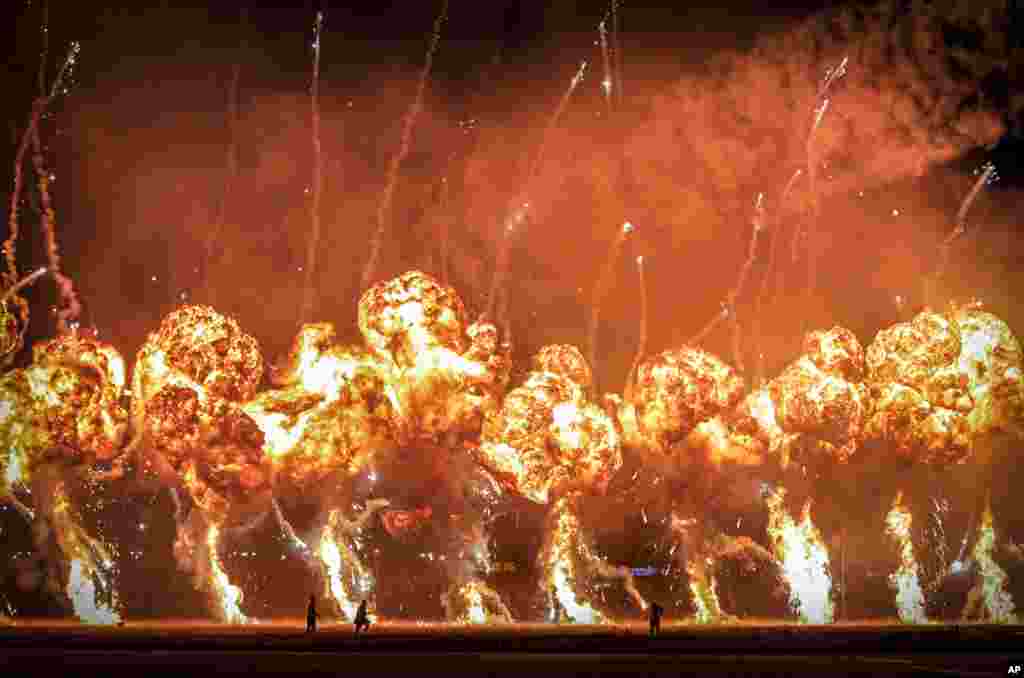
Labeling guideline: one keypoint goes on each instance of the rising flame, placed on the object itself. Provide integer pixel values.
(227, 596)
(909, 596)
(997, 603)
(704, 591)
(474, 602)
(346, 577)
(561, 565)
(90, 585)
(803, 557)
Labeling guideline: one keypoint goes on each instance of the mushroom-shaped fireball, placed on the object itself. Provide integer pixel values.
(58, 417)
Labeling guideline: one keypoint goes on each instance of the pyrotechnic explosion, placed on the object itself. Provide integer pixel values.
(430, 384)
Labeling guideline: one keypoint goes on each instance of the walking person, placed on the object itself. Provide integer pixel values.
(311, 615)
(362, 620)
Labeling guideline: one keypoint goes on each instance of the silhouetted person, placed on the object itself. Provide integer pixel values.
(556, 606)
(362, 620)
(656, 612)
(311, 615)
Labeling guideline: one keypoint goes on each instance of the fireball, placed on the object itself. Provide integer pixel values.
(190, 380)
(449, 376)
(941, 380)
(64, 408)
(547, 438)
(817, 409)
(675, 391)
(335, 406)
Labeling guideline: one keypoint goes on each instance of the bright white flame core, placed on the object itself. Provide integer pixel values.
(82, 592)
(804, 560)
(228, 596)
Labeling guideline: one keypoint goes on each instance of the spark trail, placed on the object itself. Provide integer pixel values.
(517, 215)
(606, 83)
(641, 347)
(31, 134)
(24, 282)
(832, 76)
(601, 291)
(384, 207)
(987, 175)
(314, 238)
(729, 304)
(773, 255)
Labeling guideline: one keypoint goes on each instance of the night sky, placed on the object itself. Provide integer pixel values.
(138, 148)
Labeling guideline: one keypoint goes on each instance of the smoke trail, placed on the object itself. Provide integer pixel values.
(24, 282)
(832, 76)
(606, 83)
(511, 228)
(772, 257)
(230, 175)
(961, 227)
(314, 238)
(538, 158)
(729, 304)
(518, 214)
(616, 50)
(32, 134)
(641, 347)
(384, 208)
(600, 291)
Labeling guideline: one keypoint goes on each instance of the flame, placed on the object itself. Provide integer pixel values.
(997, 603)
(474, 602)
(804, 560)
(227, 595)
(909, 596)
(704, 592)
(567, 425)
(90, 585)
(346, 577)
(562, 568)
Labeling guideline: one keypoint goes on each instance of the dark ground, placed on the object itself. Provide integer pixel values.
(403, 649)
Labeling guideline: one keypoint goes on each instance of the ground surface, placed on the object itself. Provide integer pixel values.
(281, 648)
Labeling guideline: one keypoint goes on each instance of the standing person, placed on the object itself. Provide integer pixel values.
(656, 612)
(311, 615)
(362, 620)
